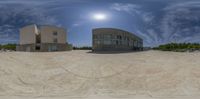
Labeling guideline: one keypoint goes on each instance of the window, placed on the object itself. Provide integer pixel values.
(119, 37)
(107, 36)
(135, 44)
(125, 38)
(120, 42)
(55, 33)
(38, 39)
(98, 42)
(117, 43)
(107, 42)
(37, 48)
(55, 40)
(52, 48)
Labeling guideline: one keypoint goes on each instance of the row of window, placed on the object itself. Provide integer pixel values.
(116, 42)
(110, 36)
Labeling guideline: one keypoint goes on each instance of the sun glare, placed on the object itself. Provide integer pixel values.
(99, 16)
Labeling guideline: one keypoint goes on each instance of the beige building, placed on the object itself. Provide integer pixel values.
(109, 39)
(42, 39)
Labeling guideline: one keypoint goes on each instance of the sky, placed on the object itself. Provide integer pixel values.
(155, 21)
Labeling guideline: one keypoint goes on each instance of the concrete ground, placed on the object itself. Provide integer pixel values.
(85, 75)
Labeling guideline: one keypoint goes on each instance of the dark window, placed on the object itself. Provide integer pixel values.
(119, 37)
(38, 39)
(55, 33)
(37, 48)
(55, 40)
(117, 43)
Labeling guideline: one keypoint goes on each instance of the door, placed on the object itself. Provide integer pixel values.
(52, 48)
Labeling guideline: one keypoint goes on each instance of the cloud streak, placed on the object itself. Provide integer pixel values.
(135, 10)
(128, 8)
(15, 16)
(181, 22)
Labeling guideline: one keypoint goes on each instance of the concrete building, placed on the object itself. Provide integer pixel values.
(109, 39)
(42, 39)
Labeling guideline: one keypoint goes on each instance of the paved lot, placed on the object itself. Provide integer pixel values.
(80, 74)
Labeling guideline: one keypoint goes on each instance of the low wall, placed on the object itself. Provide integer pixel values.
(45, 47)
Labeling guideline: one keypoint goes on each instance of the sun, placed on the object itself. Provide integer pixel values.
(99, 16)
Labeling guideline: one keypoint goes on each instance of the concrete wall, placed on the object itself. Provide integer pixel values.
(28, 34)
(48, 47)
(48, 37)
(114, 39)
(26, 47)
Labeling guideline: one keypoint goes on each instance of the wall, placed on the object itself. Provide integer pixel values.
(26, 47)
(60, 47)
(48, 37)
(28, 35)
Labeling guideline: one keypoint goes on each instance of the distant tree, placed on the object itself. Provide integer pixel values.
(179, 47)
(8, 46)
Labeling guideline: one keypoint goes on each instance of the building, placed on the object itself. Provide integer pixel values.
(35, 38)
(109, 39)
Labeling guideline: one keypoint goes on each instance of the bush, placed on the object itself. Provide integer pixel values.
(8, 46)
(179, 47)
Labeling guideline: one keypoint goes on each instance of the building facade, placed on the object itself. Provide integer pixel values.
(35, 38)
(109, 39)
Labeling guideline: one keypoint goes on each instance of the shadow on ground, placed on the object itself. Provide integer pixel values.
(112, 52)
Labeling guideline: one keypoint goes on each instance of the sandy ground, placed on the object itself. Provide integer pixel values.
(83, 75)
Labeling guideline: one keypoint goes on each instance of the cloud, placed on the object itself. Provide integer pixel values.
(76, 24)
(148, 34)
(178, 22)
(190, 4)
(181, 22)
(147, 17)
(39, 2)
(147, 39)
(127, 7)
(132, 9)
(15, 16)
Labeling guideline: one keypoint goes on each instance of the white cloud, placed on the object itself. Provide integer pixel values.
(76, 24)
(128, 8)
(179, 21)
(133, 9)
(136, 10)
(39, 2)
(148, 17)
(183, 4)
(16, 16)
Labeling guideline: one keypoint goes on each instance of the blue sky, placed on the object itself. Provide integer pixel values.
(156, 21)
